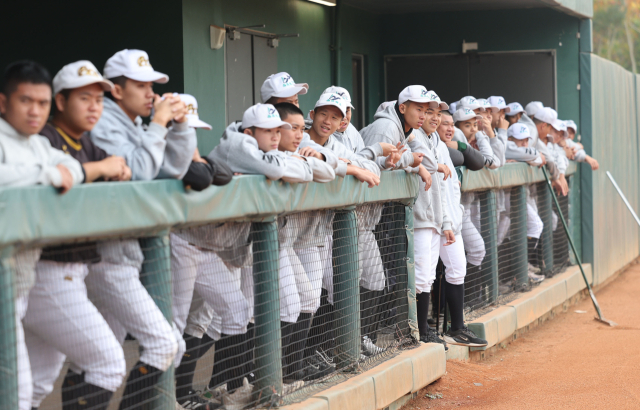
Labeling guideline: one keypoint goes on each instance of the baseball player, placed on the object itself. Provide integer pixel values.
(154, 152)
(579, 153)
(28, 159)
(84, 337)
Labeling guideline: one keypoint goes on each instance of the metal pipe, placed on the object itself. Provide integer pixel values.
(624, 198)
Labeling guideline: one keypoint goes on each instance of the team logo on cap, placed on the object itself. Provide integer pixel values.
(333, 98)
(472, 100)
(523, 129)
(467, 111)
(434, 96)
(272, 113)
(192, 110)
(423, 93)
(286, 81)
(84, 70)
(340, 94)
(143, 62)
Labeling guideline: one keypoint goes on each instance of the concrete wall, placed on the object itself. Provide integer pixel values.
(57, 33)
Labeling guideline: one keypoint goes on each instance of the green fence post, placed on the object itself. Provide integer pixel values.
(574, 215)
(519, 235)
(346, 288)
(411, 273)
(268, 346)
(545, 210)
(156, 278)
(8, 348)
(489, 232)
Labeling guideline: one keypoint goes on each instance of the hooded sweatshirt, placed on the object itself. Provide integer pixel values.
(350, 138)
(455, 210)
(148, 153)
(540, 146)
(490, 148)
(388, 127)
(30, 160)
(581, 154)
(523, 154)
(430, 209)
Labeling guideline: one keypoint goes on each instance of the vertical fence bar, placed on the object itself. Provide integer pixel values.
(268, 346)
(574, 214)
(489, 232)
(519, 235)
(411, 273)
(346, 287)
(8, 348)
(156, 278)
(545, 210)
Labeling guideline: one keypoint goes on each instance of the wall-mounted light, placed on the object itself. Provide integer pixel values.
(217, 37)
(331, 3)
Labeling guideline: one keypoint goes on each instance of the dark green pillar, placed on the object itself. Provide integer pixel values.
(489, 232)
(346, 288)
(545, 211)
(519, 235)
(268, 346)
(8, 350)
(156, 278)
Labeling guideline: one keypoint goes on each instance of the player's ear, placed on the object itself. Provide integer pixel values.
(248, 131)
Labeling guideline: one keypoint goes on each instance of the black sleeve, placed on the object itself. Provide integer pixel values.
(199, 176)
(456, 157)
(473, 159)
(222, 174)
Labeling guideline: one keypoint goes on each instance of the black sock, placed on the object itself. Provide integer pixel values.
(422, 304)
(455, 301)
(140, 387)
(78, 394)
(228, 361)
(532, 245)
(297, 343)
(319, 325)
(187, 368)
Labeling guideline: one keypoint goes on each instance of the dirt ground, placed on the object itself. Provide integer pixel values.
(571, 362)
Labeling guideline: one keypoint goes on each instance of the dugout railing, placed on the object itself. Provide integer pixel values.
(153, 212)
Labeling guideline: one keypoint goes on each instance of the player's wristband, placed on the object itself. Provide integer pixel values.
(462, 147)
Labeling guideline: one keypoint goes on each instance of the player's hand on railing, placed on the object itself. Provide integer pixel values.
(67, 179)
(310, 152)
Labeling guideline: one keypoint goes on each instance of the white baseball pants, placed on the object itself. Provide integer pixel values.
(127, 307)
(310, 287)
(62, 323)
(427, 250)
(291, 272)
(473, 242)
(454, 260)
(217, 283)
(534, 223)
(326, 253)
(371, 269)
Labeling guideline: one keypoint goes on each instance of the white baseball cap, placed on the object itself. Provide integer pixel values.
(470, 103)
(453, 106)
(193, 120)
(383, 106)
(499, 102)
(533, 107)
(414, 93)
(79, 74)
(281, 85)
(133, 64)
(435, 100)
(486, 105)
(571, 124)
(514, 108)
(332, 99)
(263, 116)
(518, 131)
(548, 115)
(342, 92)
(464, 114)
(559, 125)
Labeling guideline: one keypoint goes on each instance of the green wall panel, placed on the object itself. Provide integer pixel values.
(57, 33)
(505, 30)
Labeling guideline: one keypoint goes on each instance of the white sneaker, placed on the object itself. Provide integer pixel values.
(179, 407)
(213, 396)
(290, 388)
(535, 278)
(240, 398)
(534, 269)
(369, 347)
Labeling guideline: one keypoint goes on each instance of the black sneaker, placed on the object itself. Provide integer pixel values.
(196, 402)
(432, 337)
(464, 337)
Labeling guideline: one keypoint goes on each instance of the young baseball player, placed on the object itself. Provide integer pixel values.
(580, 154)
(281, 87)
(27, 158)
(347, 134)
(518, 151)
(483, 138)
(395, 124)
(452, 254)
(515, 113)
(154, 152)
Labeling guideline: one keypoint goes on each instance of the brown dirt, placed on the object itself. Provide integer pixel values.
(571, 362)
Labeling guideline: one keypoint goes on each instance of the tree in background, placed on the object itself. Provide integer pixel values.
(616, 27)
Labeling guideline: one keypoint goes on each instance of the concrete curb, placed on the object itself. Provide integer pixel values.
(391, 384)
(387, 386)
